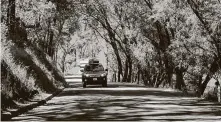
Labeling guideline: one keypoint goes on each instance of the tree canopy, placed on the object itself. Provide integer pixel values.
(156, 42)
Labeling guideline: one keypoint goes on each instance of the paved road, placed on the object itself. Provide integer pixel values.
(122, 102)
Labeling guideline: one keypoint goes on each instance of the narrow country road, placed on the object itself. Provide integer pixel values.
(122, 102)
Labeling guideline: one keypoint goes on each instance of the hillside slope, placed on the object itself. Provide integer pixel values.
(26, 72)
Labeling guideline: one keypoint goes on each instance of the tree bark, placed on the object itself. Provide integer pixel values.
(125, 71)
(120, 71)
(11, 19)
(179, 78)
(130, 66)
(51, 44)
(213, 69)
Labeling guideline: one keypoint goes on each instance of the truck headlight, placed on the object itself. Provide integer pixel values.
(103, 75)
(86, 75)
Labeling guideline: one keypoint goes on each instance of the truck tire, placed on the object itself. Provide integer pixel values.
(84, 85)
(104, 84)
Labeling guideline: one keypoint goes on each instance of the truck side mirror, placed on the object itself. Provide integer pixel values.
(82, 70)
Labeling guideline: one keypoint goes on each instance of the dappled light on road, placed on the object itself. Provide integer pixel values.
(123, 102)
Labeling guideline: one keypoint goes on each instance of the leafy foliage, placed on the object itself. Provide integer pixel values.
(167, 43)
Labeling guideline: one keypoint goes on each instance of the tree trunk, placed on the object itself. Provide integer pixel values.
(63, 62)
(179, 78)
(200, 80)
(48, 37)
(213, 69)
(158, 80)
(120, 71)
(115, 77)
(130, 69)
(51, 45)
(168, 70)
(125, 71)
(11, 19)
(138, 76)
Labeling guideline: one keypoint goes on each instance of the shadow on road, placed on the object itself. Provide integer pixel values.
(118, 102)
(110, 85)
(119, 91)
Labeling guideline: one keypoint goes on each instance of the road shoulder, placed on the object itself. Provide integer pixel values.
(7, 115)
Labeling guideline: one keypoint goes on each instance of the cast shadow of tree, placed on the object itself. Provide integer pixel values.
(94, 103)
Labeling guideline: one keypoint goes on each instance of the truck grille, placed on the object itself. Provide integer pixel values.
(94, 75)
